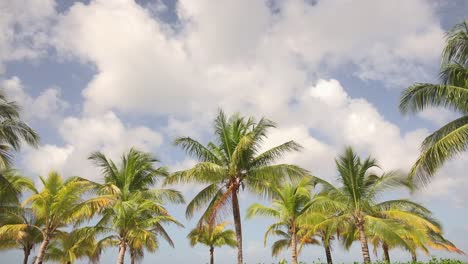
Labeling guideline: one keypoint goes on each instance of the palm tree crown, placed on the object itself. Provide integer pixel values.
(452, 93)
(212, 237)
(130, 206)
(291, 203)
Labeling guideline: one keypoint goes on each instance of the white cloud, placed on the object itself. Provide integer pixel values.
(438, 116)
(24, 25)
(82, 136)
(46, 106)
(265, 58)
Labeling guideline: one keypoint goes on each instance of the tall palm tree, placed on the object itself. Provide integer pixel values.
(59, 204)
(356, 199)
(17, 224)
(451, 93)
(212, 237)
(291, 203)
(13, 131)
(131, 205)
(232, 162)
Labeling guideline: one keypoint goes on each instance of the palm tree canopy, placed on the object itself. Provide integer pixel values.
(61, 201)
(235, 159)
(216, 236)
(13, 131)
(291, 203)
(131, 206)
(452, 93)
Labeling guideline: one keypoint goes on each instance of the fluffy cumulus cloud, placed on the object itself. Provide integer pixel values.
(24, 25)
(279, 59)
(47, 105)
(215, 58)
(82, 136)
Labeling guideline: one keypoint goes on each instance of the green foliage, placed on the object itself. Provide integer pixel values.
(452, 139)
(131, 208)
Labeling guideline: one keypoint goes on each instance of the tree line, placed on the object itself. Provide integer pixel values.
(129, 200)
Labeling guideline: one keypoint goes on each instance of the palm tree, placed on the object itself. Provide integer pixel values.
(17, 224)
(356, 200)
(13, 131)
(312, 226)
(66, 248)
(19, 229)
(452, 93)
(291, 203)
(59, 203)
(231, 163)
(130, 205)
(212, 237)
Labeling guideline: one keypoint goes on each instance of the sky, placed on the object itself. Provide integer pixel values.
(108, 75)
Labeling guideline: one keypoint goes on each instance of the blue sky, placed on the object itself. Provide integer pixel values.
(110, 74)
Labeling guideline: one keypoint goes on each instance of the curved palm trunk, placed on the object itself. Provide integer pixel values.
(237, 224)
(122, 248)
(326, 245)
(211, 255)
(386, 254)
(42, 249)
(363, 240)
(27, 252)
(294, 246)
(414, 257)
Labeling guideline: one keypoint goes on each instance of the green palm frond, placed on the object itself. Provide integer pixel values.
(433, 156)
(420, 96)
(201, 199)
(197, 150)
(456, 47)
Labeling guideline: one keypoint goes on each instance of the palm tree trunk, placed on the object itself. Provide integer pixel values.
(132, 256)
(42, 249)
(122, 248)
(386, 254)
(414, 257)
(326, 245)
(211, 255)
(363, 240)
(294, 246)
(237, 224)
(27, 252)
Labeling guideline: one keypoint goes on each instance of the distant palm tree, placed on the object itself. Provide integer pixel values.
(233, 162)
(291, 203)
(312, 227)
(131, 207)
(452, 93)
(212, 237)
(66, 248)
(59, 204)
(18, 225)
(356, 199)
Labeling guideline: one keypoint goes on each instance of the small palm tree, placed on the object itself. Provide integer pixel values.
(312, 227)
(452, 93)
(230, 164)
(18, 226)
(130, 206)
(66, 248)
(355, 202)
(59, 204)
(212, 237)
(291, 203)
